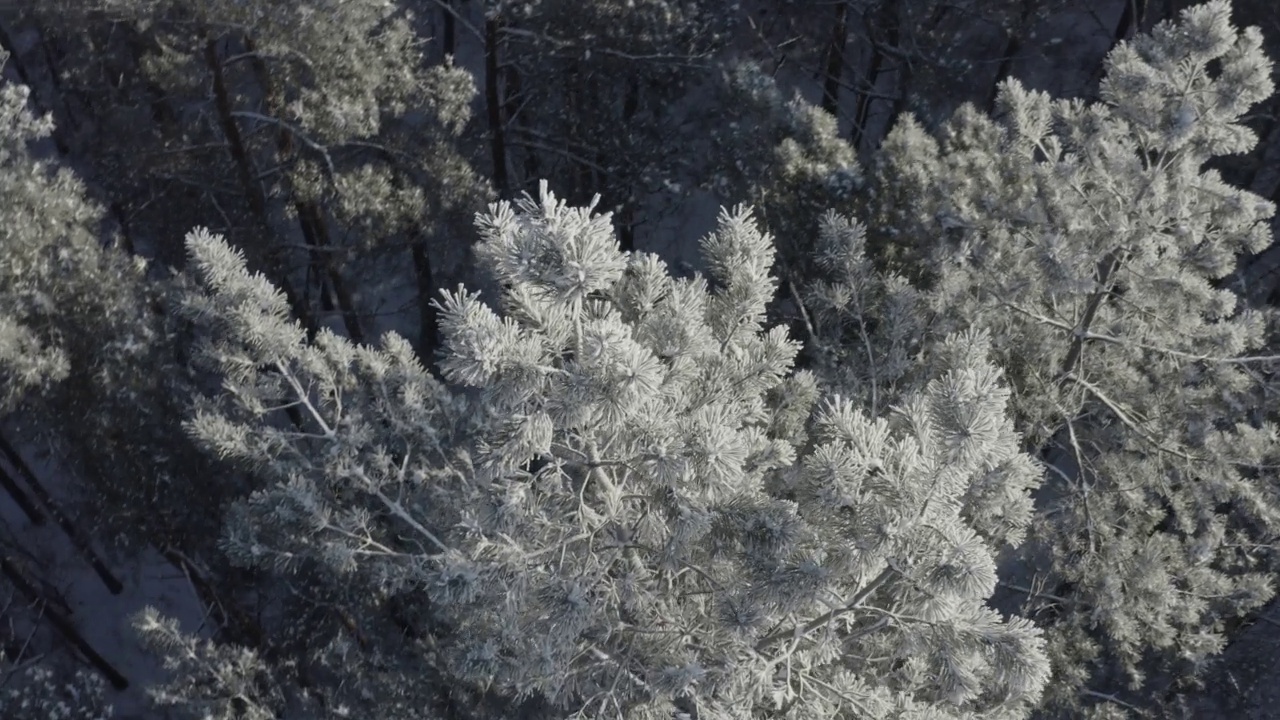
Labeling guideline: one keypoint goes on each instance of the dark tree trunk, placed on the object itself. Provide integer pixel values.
(493, 106)
(316, 233)
(1130, 19)
(886, 17)
(252, 190)
(235, 624)
(449, 36)
(21, 498)
(1013, 46)
(512, 118)
(835, 61)
(78, 538)
(428, 329)
(63, 624)
(311, 216)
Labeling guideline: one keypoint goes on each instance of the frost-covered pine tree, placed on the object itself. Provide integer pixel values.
(326, 147)
(629, 506)
(1088, 239)
(782, 155)
(27, 360)
(85, 362)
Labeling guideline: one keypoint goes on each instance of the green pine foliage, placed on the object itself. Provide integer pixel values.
(630, 507)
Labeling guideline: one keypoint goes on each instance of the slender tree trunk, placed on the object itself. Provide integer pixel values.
(1013, 46)
(316, 233)
(236, 625)
(428, 329)
(126, 238)
(449, 36)
(163, 112)
(63, 624)
(835, 61)
(1131, 19)
(579, 89)
(252, 190)
(77, 537)
(493, 107)
(513, 118)
(1106, 272)
(311, 216)
(21, 498)
(627, 228)
(886, 17)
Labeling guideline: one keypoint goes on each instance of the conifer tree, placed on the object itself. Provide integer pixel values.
(94, 366)
(1087, 239)
(782, 155)
(628, 506)
(314, 136)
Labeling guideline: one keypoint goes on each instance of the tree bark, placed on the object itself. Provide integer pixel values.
(449, 36)
(21, 498)
(63, 624)
(1013, 46)
(1130, 19)
(316, 233)
(835, 61)
(1106, 271)
(252, 190)
(428, 330)
(77, 537)
(493, 107)
(311, 216)
(886, 17)
(236, 625)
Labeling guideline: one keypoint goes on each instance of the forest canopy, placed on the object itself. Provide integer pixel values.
(385, 325)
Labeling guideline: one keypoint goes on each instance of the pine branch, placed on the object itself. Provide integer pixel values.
(1123, 417)
(799, 631)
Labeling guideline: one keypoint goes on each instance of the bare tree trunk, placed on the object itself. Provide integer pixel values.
(449, 37)
(428, 330)
(493, 106)
(316, 234)
(835, 61)
(886, 17)
(311, 216)
(1131, 19)
(20, 497)
(1107, 269)
(252, 190)
(512, 119)
(63, 624)
(236, 625)
(1013, 46)
(77, 537)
